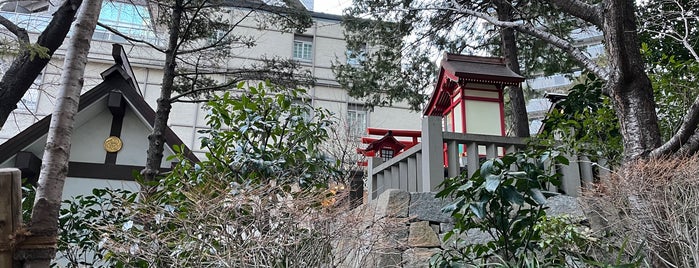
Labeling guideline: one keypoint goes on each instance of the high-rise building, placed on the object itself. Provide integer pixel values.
(308, 4)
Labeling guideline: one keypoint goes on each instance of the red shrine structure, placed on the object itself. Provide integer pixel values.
(469, 94)
(387, 146)
(469, 98)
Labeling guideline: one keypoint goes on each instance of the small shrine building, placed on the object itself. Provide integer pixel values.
(469, 94)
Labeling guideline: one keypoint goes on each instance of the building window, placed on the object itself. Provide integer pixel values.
(386, 154)
(216, 36)
(31, 97)
(356, 120)
(129, 19)
(356, 57)
(303, 48)
(29, 100)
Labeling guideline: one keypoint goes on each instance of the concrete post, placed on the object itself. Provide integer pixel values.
(570, 182)
(432, 153)
(371, 182)
(586, 174)
(472, 161)
(453, 157)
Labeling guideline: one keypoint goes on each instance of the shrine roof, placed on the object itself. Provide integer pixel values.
(386, 140)
(480, 69)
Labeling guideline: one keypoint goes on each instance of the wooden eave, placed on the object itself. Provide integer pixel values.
(386, 141)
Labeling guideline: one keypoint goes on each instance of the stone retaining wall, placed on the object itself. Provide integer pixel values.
(401, 229)
(398, 229)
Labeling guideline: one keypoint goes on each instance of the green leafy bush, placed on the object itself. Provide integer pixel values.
(504, 199)
(584, 124)
(258, 200)
(81, 220)
(267, 133)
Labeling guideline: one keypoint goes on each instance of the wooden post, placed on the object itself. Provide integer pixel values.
(10, 212)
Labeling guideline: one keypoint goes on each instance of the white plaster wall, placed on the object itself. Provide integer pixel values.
(84, 186)
(88, 139)
(483, 118)
(134, 136)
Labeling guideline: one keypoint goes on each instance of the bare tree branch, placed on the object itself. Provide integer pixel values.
(219, 41)
(553, 40)
(684, 34)
(686, 130)
(281, 77)
(129, 38)
(19, 32)
(582, 10)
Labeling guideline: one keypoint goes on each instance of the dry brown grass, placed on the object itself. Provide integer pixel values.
(654, 205)
(260, 227)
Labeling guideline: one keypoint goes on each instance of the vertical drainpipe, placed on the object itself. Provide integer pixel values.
(313, 61)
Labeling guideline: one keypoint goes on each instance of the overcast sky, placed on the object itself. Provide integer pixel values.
(331, 6)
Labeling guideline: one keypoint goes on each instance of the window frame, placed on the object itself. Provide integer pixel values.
(305, 44)
(354, 111)
(387, 154)
(355, 58)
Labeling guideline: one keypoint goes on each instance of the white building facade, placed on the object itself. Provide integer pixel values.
(316, 49)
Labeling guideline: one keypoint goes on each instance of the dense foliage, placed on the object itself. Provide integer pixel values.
(506, 200)
(255, 201)
(267, 134)
(584, 124)
(674, 82)
(504, 204)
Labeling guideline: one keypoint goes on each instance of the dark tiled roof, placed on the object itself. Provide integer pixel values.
(474, 68)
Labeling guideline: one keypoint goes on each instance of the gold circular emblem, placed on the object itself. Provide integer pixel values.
(113, 144)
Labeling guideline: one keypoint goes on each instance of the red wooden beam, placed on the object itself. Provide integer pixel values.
(407, 144)
(396, 133)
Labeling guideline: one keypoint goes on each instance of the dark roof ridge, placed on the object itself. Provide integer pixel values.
(473, 58)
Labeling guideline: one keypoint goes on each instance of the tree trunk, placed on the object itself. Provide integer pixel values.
(156, 140)
(520, 120)
(24, 69)
(40, 246)
(628, 84)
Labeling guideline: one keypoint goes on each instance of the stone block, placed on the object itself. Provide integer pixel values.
(422, 235)
(445, 227)
(435, 228)
(392, 203)
(425, 207)
(392, 234)
(418, 257)
(383, 259)
(564, 205)
(470, 237)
